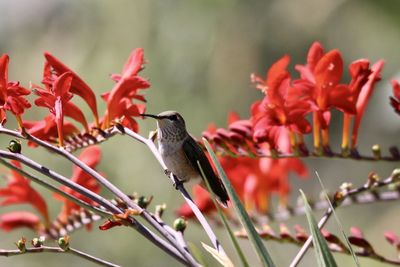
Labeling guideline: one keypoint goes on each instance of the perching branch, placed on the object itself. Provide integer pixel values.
(98, 199)
(335, 244)
(149, 143)
(346, 192)
(72, 251)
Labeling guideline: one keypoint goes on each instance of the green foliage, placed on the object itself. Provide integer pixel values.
(225, 222)
(241, 212)
(322, 252)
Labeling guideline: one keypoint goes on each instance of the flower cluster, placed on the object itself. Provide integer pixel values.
(291, 108)
(255, 179)
(59, 85)
(319, 89)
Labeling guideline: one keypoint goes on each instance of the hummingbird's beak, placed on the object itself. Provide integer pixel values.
(151, 116)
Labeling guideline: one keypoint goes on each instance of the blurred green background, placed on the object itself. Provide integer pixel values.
(200, 55)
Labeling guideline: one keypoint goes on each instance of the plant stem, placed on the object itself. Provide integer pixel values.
(328, 213)
(98, 199)
(15, 252)
(57, 190)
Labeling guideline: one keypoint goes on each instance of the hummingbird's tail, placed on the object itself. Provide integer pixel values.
(220, 191)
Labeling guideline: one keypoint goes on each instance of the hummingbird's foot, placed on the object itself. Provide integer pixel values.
(177, 183)
(167, 172)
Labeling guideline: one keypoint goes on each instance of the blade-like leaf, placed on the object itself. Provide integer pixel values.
(338, 222)
(221, 258)
(322, 252)
(241, 212)
(197, 254)
(225, 221)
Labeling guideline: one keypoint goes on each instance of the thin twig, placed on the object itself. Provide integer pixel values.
(117, 192)
(149, 143)
(52, 188)
(335, 245)
(335, 204)
(98, 199)
(16, 252)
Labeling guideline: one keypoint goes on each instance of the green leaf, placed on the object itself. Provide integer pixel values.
(322, 252)
(355, 258)
(221, 258)
(241, 212)
(225, 221)
(197, 254)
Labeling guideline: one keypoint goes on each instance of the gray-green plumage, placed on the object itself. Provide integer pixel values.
(181, 152)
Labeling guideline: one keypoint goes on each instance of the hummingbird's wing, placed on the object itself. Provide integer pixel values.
(195, 153)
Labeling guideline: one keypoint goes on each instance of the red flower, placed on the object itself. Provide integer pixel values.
(17, 219)
(91, 157)
(46, 129)
(364, 96)
(54, 68)
(11, 93)
(254, 180)
(324, 72)
(119, 99)
(19, 191)
(395, 99)
(238, 138)
(56, 98)
(284, 104)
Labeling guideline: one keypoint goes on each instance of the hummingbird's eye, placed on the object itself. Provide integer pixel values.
(173, 118)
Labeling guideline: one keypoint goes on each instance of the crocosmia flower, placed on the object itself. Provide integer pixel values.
(12, 95)
(120, 106)
(285, 104)
(19, 191)
(395, 99)
(90, 156)
(56, 97)
(54, 68)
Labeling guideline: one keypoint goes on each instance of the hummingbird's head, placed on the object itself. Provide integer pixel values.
(170, 123)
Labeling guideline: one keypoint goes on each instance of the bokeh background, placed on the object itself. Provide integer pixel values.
(200, 55)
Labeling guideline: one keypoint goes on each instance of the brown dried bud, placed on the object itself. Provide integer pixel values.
(373, 178)
(338, 196)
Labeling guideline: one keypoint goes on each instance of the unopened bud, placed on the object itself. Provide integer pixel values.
(396, 175)
(394, 151)
(338, 196)
(160, 210)
(63, 242)
(143, 201)
(373, 178)
(376, 150)
(37, 242)
(180, 224)
(21, 244)
(14, 146)
(346, 186)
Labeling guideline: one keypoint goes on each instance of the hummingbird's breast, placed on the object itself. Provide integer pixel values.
(175, 159)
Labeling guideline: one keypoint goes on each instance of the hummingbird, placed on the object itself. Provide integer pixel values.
(182, 154)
